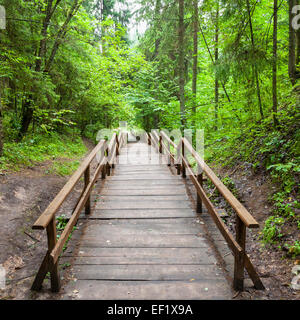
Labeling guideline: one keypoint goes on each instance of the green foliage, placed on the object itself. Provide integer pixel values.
(36, 148)
(294, 249)
(271, 232)
(61, 222)
(65, 168)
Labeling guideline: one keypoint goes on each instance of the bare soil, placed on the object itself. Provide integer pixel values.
(23, 197)
(273, 265)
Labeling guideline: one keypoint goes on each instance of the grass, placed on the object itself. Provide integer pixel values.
(34, 149)
(274, 152)
(64, 168)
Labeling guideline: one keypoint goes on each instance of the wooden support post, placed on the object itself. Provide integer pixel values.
(117, 146)
(239, 261)
(86, 182)
(107, 164)
(199, 201)
(160, 144)
(46, 265)
(103, 172)
(54, 274)
(169, 156)
(182, 163)
(149, 139)
(160, 149)
(40, 276)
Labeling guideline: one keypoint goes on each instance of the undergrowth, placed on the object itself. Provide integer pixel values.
(274, 152)
(34, 149)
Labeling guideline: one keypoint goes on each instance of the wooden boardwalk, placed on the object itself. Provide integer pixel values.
(144, 240)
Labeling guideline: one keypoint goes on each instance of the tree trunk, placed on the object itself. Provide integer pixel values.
(292, 46)
(27, 113)
(274, 83)
(216, 61)
(1, 132)
(61, 34)
(213, 61)
(195, 63)
(157, 24)
(254, 65)
(181, 62)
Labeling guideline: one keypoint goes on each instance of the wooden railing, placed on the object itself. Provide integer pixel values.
(106, 160)
(243, 218)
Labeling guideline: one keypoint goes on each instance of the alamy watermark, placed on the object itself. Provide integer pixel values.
(149, 155)
(296, 18)
(2, 18)
(296, 279)
(2, 277)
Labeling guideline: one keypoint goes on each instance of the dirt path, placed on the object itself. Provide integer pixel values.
(23, 197)
(274, 269)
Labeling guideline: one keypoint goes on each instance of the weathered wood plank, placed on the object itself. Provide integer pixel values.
(150, 290)
(143, 241)
(143, 256)
(144, 205)
(143, 192)
(131, 198)
(141, 227)
(142, 213)
(147, 272)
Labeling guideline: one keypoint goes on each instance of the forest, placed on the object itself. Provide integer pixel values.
(69, 68)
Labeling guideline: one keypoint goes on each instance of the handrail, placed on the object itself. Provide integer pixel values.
(243, 218)
(242, 212)
(43, 221)
(47, 218)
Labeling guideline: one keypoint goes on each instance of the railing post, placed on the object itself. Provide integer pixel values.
(117, 145)
(107, 163)
(86, 182)
(103, 172)
(160, 144)
(54, 274)
(178, 151)
(149, 139)
(200, 180)
(239, 261)
(169, 155)
(182, 163)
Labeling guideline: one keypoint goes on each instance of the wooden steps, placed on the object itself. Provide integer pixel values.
(143, 240)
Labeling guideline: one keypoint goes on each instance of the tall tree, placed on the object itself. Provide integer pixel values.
(181, 30)
(27, 113)
(216, 61)
(195, 59)
(253, 63)
(274, 80)
(294, 46)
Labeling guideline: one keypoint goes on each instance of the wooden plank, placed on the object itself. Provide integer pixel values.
(138, 177)
(146, 272)
(217, 289)
(144, 205)
(141, 227)
(143, 213)
(143, 256)
(161, 188)
(144, 183)
(144, 192)
(142, 241)
(130, 198)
